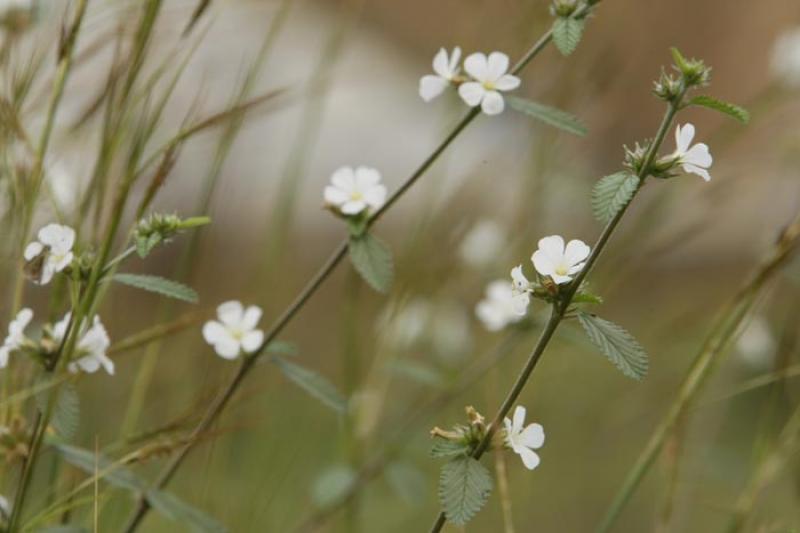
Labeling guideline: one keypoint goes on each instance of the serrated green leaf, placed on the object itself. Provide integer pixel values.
(163, 286)
(726, 108)
(549, 115)
(464, 488)
(567, 33)
(616, 344)
(448, 448)
(373, 260)
(332, 484)
(612, 193)
(112, 472)
(66, 414)
(313, 383)
(183, 513)
(408, 482)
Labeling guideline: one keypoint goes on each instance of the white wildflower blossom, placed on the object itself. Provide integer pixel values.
(524, 439)
(557, 261)
(446, 69)
(234, 331)
(53, 248)
(355, 190)
(490, 75)
(756, 345)
(90, 350)
(16, 335)
(482, 244)
(501, 306)
(785, 62)
(693, 159)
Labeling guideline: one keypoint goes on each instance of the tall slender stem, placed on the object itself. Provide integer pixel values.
(559, 309)
(724, 329)
(319, 278)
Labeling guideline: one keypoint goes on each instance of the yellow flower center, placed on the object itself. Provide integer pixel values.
(488, 85)
(562, 270)
(356, 196)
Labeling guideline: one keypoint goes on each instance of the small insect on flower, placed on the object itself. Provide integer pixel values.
(524, 439)
(695, 159)
(90, 351)
(16, 335)
(51, 253)
(446, 69)
(355, 190)
(557, 261)
(490, 75)
(501, 306)
(235, 330)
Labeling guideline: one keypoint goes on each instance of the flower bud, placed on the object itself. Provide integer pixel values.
(563, 8)
(693, 71)
(668, 88)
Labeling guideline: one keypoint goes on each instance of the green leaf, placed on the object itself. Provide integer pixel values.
(567, 33)
(612, 193)
(66, 415)
(416, 371)
(678, 58)
(332, 485)
(448, 448)
(183, 513)
(464, 487)
(549, 115)
(373, 260)
(587, 298)
(313, 383)
(407, 482)
(726, 108)
(616, 344)
(113, 472)
(165, 287)
(281, 348)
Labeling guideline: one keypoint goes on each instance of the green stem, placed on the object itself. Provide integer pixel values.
(319, 278)
(724, 329)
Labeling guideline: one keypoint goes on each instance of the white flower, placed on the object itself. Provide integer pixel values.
(16, 335)
(501, 306)
(785, 64)
(695, 159)
(482, 244)
(523, 440)
(490, 78)
(560, 263)
(446, 69)
(235, 331)
(90, 350)
(353, 191)
(53, 248)
(5, 507)
(756, 344)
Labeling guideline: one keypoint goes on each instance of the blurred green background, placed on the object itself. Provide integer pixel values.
(351, 70)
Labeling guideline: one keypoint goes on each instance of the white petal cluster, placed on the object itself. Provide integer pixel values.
(54, 248)
(353, 191)
(558, 261)
(16, 335)
(502, 305)
(694, 159)
(90, 349)
(488, 79)
(524, 439)
(785, 62)
(234, 331)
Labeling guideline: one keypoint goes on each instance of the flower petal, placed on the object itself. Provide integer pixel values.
(477, 66)
(471, 92)
(431, 86)
(529, 458)
(441, 65)
(543, 263)
(252, 340)
(251, 317)
(692, 169)
(532, 436)
(227, 348)
(213, 332)
(32, 250)
(59, 238)
(353, 207)
(576, 252)
(366, 177)
(497, 64)
(519, 418)
(684, 136)
(698, 155)
(375, 196)
(507, 82)
(493, 103)
(559, 279)
(455, 57)
(335, 196)
(230, 313)
(344, 178)
(553, 246)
